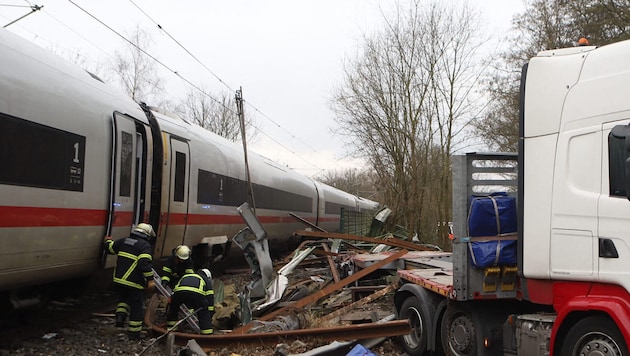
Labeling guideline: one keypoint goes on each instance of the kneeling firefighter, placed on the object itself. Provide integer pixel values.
(195, 291)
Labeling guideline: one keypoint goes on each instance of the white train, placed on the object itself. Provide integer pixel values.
(80, 160)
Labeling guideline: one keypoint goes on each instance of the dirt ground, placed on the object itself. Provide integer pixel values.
(97, 335)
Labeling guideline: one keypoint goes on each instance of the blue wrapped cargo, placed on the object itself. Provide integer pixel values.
(492, 215)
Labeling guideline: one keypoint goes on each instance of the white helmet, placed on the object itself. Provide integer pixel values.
(182, 252)
(205, 273)
(145, 229)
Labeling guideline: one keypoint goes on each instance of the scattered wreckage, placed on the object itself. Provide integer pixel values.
(271, 309)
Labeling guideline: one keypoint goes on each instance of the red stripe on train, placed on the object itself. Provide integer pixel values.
(202, 219)
(19, 216)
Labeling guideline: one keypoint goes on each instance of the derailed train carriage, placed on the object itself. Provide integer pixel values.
(80, 160)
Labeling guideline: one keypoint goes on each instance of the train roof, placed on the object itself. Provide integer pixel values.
(33, 73)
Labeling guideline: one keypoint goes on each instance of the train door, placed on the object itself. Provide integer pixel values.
(177, 206)
(129, 178)
(122, 192)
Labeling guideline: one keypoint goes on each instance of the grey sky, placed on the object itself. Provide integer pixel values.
(286, 55)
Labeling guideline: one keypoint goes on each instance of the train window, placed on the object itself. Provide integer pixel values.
(335, 208)
(219, 189)
(126, 161)
(36, 155)
(180, 176)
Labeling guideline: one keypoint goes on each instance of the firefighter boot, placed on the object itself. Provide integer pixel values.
(120, 320)
(136, 335)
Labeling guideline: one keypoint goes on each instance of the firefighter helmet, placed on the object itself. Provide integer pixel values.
(145, 229)
(205, 273)
(182, 252)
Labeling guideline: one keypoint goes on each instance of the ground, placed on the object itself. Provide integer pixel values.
(97, 335)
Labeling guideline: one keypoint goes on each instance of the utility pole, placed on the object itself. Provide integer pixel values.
(241, 119)
(33, 9)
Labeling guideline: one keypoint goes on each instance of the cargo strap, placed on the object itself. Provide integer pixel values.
(496, 215)
(496, 257)
(496, 212)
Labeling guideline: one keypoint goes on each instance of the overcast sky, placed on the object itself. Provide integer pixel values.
(287, 55)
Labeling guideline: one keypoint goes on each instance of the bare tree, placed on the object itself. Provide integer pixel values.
(134, 71)
(545, 24)
(404, 101)
(94, 67)
(352, 180)
(216, 113)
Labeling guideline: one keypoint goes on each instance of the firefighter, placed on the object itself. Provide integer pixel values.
(133, 273)
(177, 265)
(195, 291)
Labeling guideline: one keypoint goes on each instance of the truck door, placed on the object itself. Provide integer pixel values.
(614, 207)
(178, 166)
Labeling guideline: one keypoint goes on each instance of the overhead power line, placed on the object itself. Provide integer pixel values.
(196, 86)
(218, 78)
(34, 8)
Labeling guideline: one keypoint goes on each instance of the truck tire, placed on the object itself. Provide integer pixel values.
(414, 343)
(594, 335)
(461, 333)
(442, 350)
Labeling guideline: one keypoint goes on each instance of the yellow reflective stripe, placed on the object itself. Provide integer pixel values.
(145, 255)
(122, 308)
(127, 255)
(211, 308)
(128, 283)
(134, 258)
(207, 331)
(131, 268)
(134, 326)
(110, 246)
(167, 269)
(189, 271)
(190, 289)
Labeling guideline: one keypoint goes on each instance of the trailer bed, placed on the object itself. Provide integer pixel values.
(435, 279)
(431, 269)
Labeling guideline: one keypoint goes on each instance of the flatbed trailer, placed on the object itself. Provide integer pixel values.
(455, 308)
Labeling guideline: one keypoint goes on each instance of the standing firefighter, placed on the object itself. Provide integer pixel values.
(133, 270)
(179, 264)
(195, 291)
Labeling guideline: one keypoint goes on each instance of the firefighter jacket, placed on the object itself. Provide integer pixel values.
(133, 266)
(196, 284)
(174, 269)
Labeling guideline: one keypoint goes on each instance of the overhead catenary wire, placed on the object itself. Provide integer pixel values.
(217, 77)
(175, 72)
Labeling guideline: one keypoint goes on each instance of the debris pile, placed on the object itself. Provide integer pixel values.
(318, 292)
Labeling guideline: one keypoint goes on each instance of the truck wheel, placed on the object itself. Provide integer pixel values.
(462, 337)
(414, 343)
(443, 347)
(594, 335)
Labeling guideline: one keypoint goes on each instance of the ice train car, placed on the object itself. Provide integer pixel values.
(80, 160)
